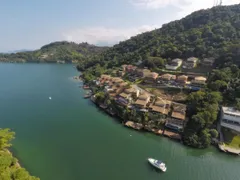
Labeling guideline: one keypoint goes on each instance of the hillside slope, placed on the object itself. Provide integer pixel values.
(213, 32)
(57, 51)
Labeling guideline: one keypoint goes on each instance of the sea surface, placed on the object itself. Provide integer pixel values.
(68, 138)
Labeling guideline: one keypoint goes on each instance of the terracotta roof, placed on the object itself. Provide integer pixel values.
(179, 111)
(162, 106)
(124, 95)
(200, 78)
(142, 99)
(168, 76)
(178, 115)
(182, 78)
(141, 102)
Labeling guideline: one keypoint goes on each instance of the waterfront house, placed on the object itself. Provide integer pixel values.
(150, 77)
(177, 120)
(182, 79)
(230, 118)
(126, 95)
(174, 64)
(208, 62)
(142, 101)
(161, 106)
(190, 63)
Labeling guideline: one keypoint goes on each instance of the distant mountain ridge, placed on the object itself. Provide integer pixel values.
(17, 51)
(55, 52)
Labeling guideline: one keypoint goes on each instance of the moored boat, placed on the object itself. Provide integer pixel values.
(158, 164)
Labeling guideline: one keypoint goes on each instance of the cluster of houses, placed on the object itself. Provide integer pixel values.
(190, 63)
(148, 77)
(136, 98)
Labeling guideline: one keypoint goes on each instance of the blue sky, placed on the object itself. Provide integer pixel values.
(29, 24)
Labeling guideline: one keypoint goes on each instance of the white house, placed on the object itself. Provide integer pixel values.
(174, 64)
(230, 118)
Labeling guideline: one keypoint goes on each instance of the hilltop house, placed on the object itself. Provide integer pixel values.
(230, 118)
(177, 120)
(160, 106)
(190, 63)
(174, 64)
(142, 101)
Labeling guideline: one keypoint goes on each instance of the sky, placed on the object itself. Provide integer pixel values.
(30, 24)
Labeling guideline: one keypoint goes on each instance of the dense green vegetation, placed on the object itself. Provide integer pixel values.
(206, 33)
(57, 51)
(203, 112)
(9, 168)
(223, 87)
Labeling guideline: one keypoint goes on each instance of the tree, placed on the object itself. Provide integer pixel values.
(5, 137)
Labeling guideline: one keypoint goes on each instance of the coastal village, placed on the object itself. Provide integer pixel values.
(156, 102)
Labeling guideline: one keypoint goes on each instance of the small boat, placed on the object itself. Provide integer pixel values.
(50, 98)
(158, 164)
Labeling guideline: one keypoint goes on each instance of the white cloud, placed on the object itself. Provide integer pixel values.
(96, 35)
(185, 6)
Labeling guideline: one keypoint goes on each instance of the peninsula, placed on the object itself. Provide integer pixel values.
(176, 80)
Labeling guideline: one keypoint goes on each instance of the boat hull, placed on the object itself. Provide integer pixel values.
(153, 163)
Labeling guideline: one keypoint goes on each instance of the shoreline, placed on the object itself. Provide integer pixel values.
(165, 132)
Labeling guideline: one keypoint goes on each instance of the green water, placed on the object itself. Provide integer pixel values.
(67, 138)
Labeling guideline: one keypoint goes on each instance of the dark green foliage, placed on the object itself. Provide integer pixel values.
(203, 111)
(227, 81)
(57, 51)
(9, 169)
(206, 33)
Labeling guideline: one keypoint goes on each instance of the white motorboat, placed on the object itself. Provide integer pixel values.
(158, 164)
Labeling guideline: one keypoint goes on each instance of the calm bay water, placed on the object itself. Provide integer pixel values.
(68, 138)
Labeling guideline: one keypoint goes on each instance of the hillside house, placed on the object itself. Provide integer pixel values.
(142, 72)
(166, 78)
(150, 77)
(190, 63)
(129, 68)
(116, 89)
(126, 95)
(142, 101)
(174, 64)
(160, 106)
(182, 79)
(177, 120)
(198, 82)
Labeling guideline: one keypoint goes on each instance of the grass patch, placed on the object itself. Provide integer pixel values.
(231, 139)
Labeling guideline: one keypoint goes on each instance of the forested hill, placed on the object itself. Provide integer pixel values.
(57, 51)
(213, 32)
